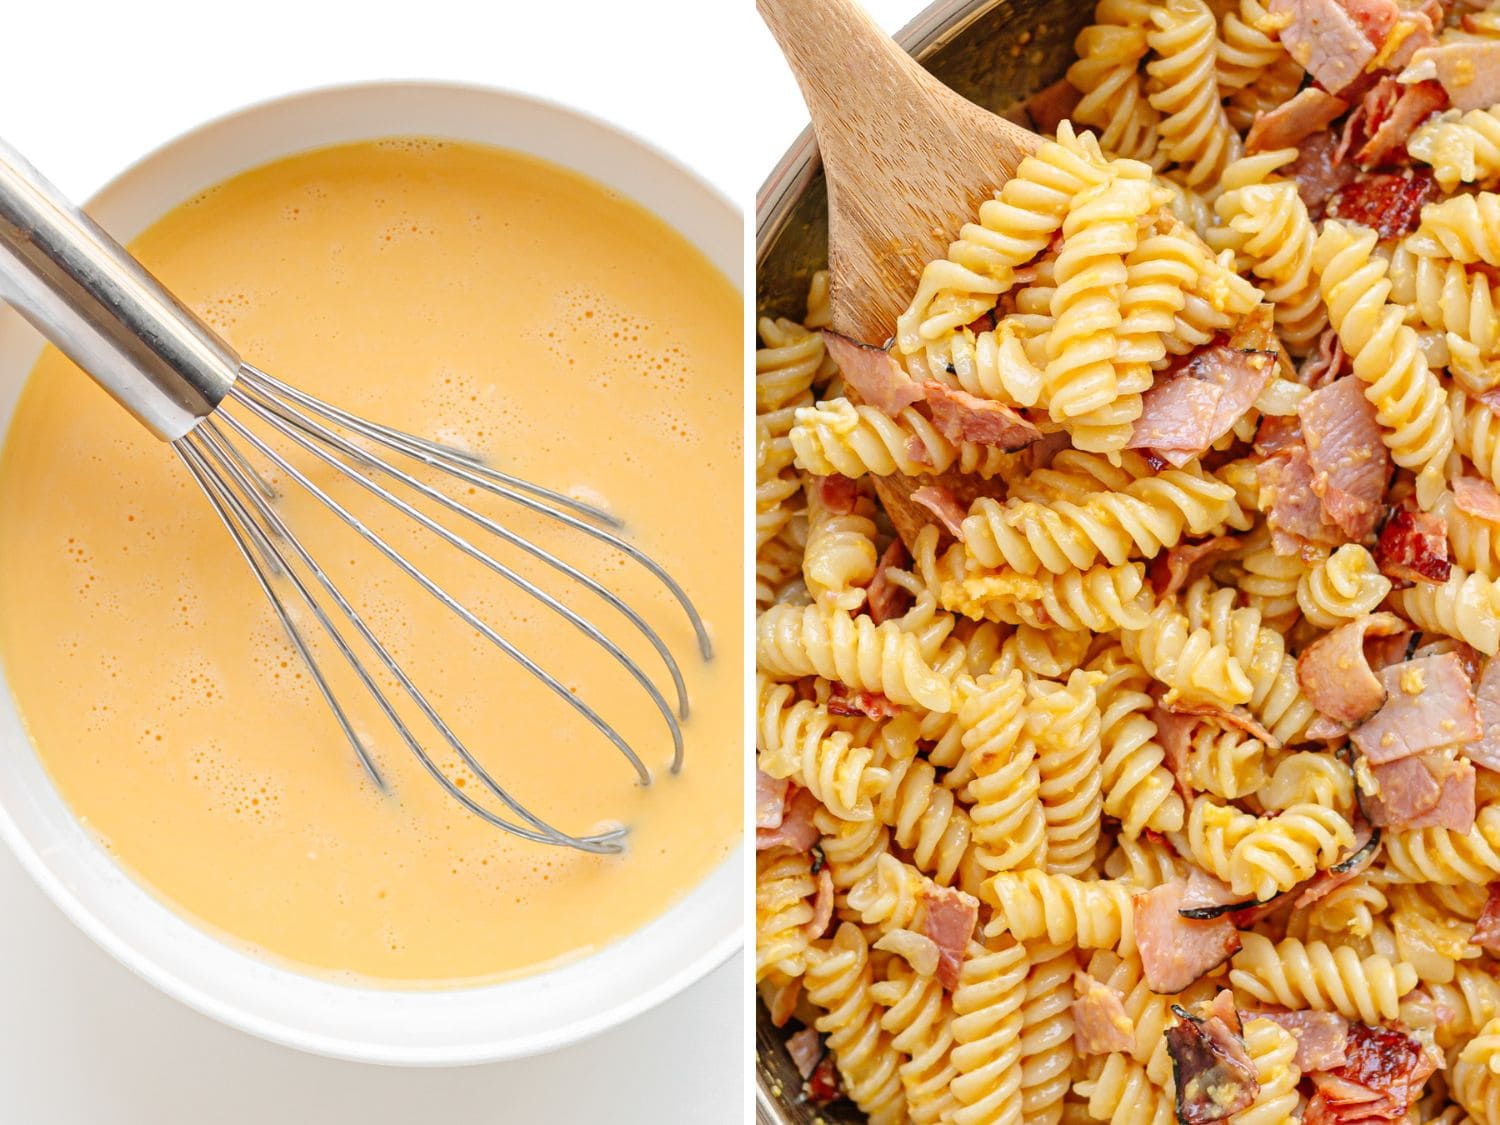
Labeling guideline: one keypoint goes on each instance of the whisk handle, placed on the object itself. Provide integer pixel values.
(84, 292)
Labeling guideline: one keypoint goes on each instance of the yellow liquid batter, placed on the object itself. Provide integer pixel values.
(474, 296)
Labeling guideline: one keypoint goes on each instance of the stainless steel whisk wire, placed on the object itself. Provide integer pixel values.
(106, 312)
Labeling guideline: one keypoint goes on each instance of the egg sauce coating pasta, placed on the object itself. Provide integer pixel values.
(1268, 399)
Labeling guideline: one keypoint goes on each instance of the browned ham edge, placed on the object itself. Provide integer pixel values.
(805, 1049)
(1176, 951)
(1334, 671)
(1413, 547)
(796, 830)
(949, 920)
(873, 373)
(822, 905)
(885, 599)
(1213, 1073)
(960, 416)
(1477, 497)
(1468, 71)
(1487, 927)
(941, 503)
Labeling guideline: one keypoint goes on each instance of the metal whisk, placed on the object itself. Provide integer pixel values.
(102, 308)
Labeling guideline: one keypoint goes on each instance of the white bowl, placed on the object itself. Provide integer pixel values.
(444, 1027)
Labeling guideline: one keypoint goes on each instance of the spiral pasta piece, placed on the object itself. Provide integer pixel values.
(1467, 607)
(838, 980)
(1010, 827)
(1102, 598)
(1284, 850)
(851, 848)
(1138, 790)
(1064, 722)
(1047, 1034)
(1122, 1094)
(837, 437)
(1445, 296)
(1345, 585)
(1108, 76)
(919, 1020)
(1276, 698)
(1462, 148)
(1408, 399)
(893, 896)
(1465, 228)
(1470, 1001)
(1313, 975)
(1149, 515)
(784, 887)
(795, 739)
(924, 817)
(1476, 1075)
(1012, 228)
(793, 641)
(1272, 1051)
(1438, 855)
(1091, 914)
(1476, 433)
(1269, 582)
(1246, 49)
(1311, 776)
(988, 1017)
(1195, 133)
(839, 558)
(1214, 832)
(1227, 763)
(1099, 231)
(1186, 659)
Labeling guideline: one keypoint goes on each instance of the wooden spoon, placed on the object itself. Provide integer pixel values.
(907, 161)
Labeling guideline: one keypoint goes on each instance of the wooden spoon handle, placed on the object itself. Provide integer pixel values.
(907, 160)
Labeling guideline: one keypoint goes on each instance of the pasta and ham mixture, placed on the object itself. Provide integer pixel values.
(1129, 712)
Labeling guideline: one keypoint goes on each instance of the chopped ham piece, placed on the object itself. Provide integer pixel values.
(870, 704)
(1213, 1072)
(822, 905)
(1179, 565)
(805, 1049)
(1487, 928)
(1485, 751)
(1100, 1024)
(1413, 547)
(838, 493)
(1490, 400)
(796, 830)
(770, 800)
(949, 920)
(1051, 105)
(1424, 791)
(1471, 659)
(1320, 1036)
(941, 503)
(1381, 1077)
(1176, 951)
(1385, 118)
(1190, 407)
(1349, 460)
(1310, 111)
(1412, 106)
(1428, 704)
(1334, 671)
(916, 450)
(1294, 511)
(1477, 497)
(885, 599)
(961, 416)
(873, 373)
(1205, 896)
(1325, 364)
(1319, 171)
(1389, 203)
(1174, 732)
(1239, 718)
(1326, 39)
(1469, 70)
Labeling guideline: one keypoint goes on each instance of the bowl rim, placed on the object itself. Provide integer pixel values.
(169, 978)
